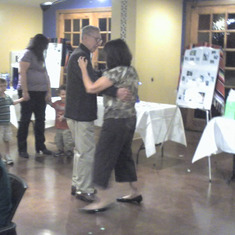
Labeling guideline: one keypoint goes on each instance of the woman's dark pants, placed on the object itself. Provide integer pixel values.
(37, 106)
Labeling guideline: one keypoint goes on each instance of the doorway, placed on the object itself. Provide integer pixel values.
(70, 22)
(212, 22)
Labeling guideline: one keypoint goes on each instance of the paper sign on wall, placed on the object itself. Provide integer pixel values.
(198, 78)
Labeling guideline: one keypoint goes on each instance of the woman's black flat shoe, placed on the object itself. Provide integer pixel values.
(137, 199)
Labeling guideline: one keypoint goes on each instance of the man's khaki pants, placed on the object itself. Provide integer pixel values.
(84, 139)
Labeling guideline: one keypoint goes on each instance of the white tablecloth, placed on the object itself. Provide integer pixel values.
(218, 136)
(156, 123)
(15, 111)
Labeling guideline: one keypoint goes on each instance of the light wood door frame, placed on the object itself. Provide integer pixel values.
(93, 14)
(84, 11)
(192, 22)
(192, 10)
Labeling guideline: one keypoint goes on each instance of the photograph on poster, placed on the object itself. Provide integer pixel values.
(197, 81)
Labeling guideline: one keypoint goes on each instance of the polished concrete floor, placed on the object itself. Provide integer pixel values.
(178, 198)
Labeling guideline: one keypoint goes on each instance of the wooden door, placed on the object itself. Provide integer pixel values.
(70, 23)
(212, 22)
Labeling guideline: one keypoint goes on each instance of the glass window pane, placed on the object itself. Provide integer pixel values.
(204, 22)
(203, 37)
(218, 39)
(231, 21)
(104, 38)
(230, 59)
(218, 22)
(229, 78)
(67, 25)
(76, 39)
(230, 40)
(101, 55)
(109, 36)
(85, 22)
(109, 24)
(67, 36)
(103, 24)
(76, 25)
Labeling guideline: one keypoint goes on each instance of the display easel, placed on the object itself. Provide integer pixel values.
(208, 117)
(57, 56)
(198, 81)
(53, 63)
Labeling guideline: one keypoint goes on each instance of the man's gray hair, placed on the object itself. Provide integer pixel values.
(89, 29)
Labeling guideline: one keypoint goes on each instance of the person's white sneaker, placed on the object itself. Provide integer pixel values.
(8, 159)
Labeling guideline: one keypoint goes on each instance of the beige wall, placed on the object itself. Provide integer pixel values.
(154, 37)
(131, 24)
(17, 25)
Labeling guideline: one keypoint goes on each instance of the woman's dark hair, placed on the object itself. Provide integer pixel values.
(117, 53)
(37, 45)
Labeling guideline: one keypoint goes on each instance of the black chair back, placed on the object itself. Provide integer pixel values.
(18, 187)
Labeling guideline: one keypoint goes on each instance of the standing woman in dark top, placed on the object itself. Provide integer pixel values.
(34, 86)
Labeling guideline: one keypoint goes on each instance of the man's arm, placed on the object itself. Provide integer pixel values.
(123, 94)
(110, 91)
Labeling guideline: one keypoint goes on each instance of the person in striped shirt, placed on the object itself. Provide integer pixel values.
(5, 126)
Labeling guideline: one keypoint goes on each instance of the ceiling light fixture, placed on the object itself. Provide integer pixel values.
(46, 5)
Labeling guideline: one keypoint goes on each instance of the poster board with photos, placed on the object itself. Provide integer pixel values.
(198, 78)
(53, 63)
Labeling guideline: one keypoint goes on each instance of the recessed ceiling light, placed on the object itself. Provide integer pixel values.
(46, 5)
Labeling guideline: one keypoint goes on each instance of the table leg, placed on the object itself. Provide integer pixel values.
(140, 148)
(232, 178)
(209, 167)
(143, 147)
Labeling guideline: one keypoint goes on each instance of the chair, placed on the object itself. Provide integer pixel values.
(18, 187)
